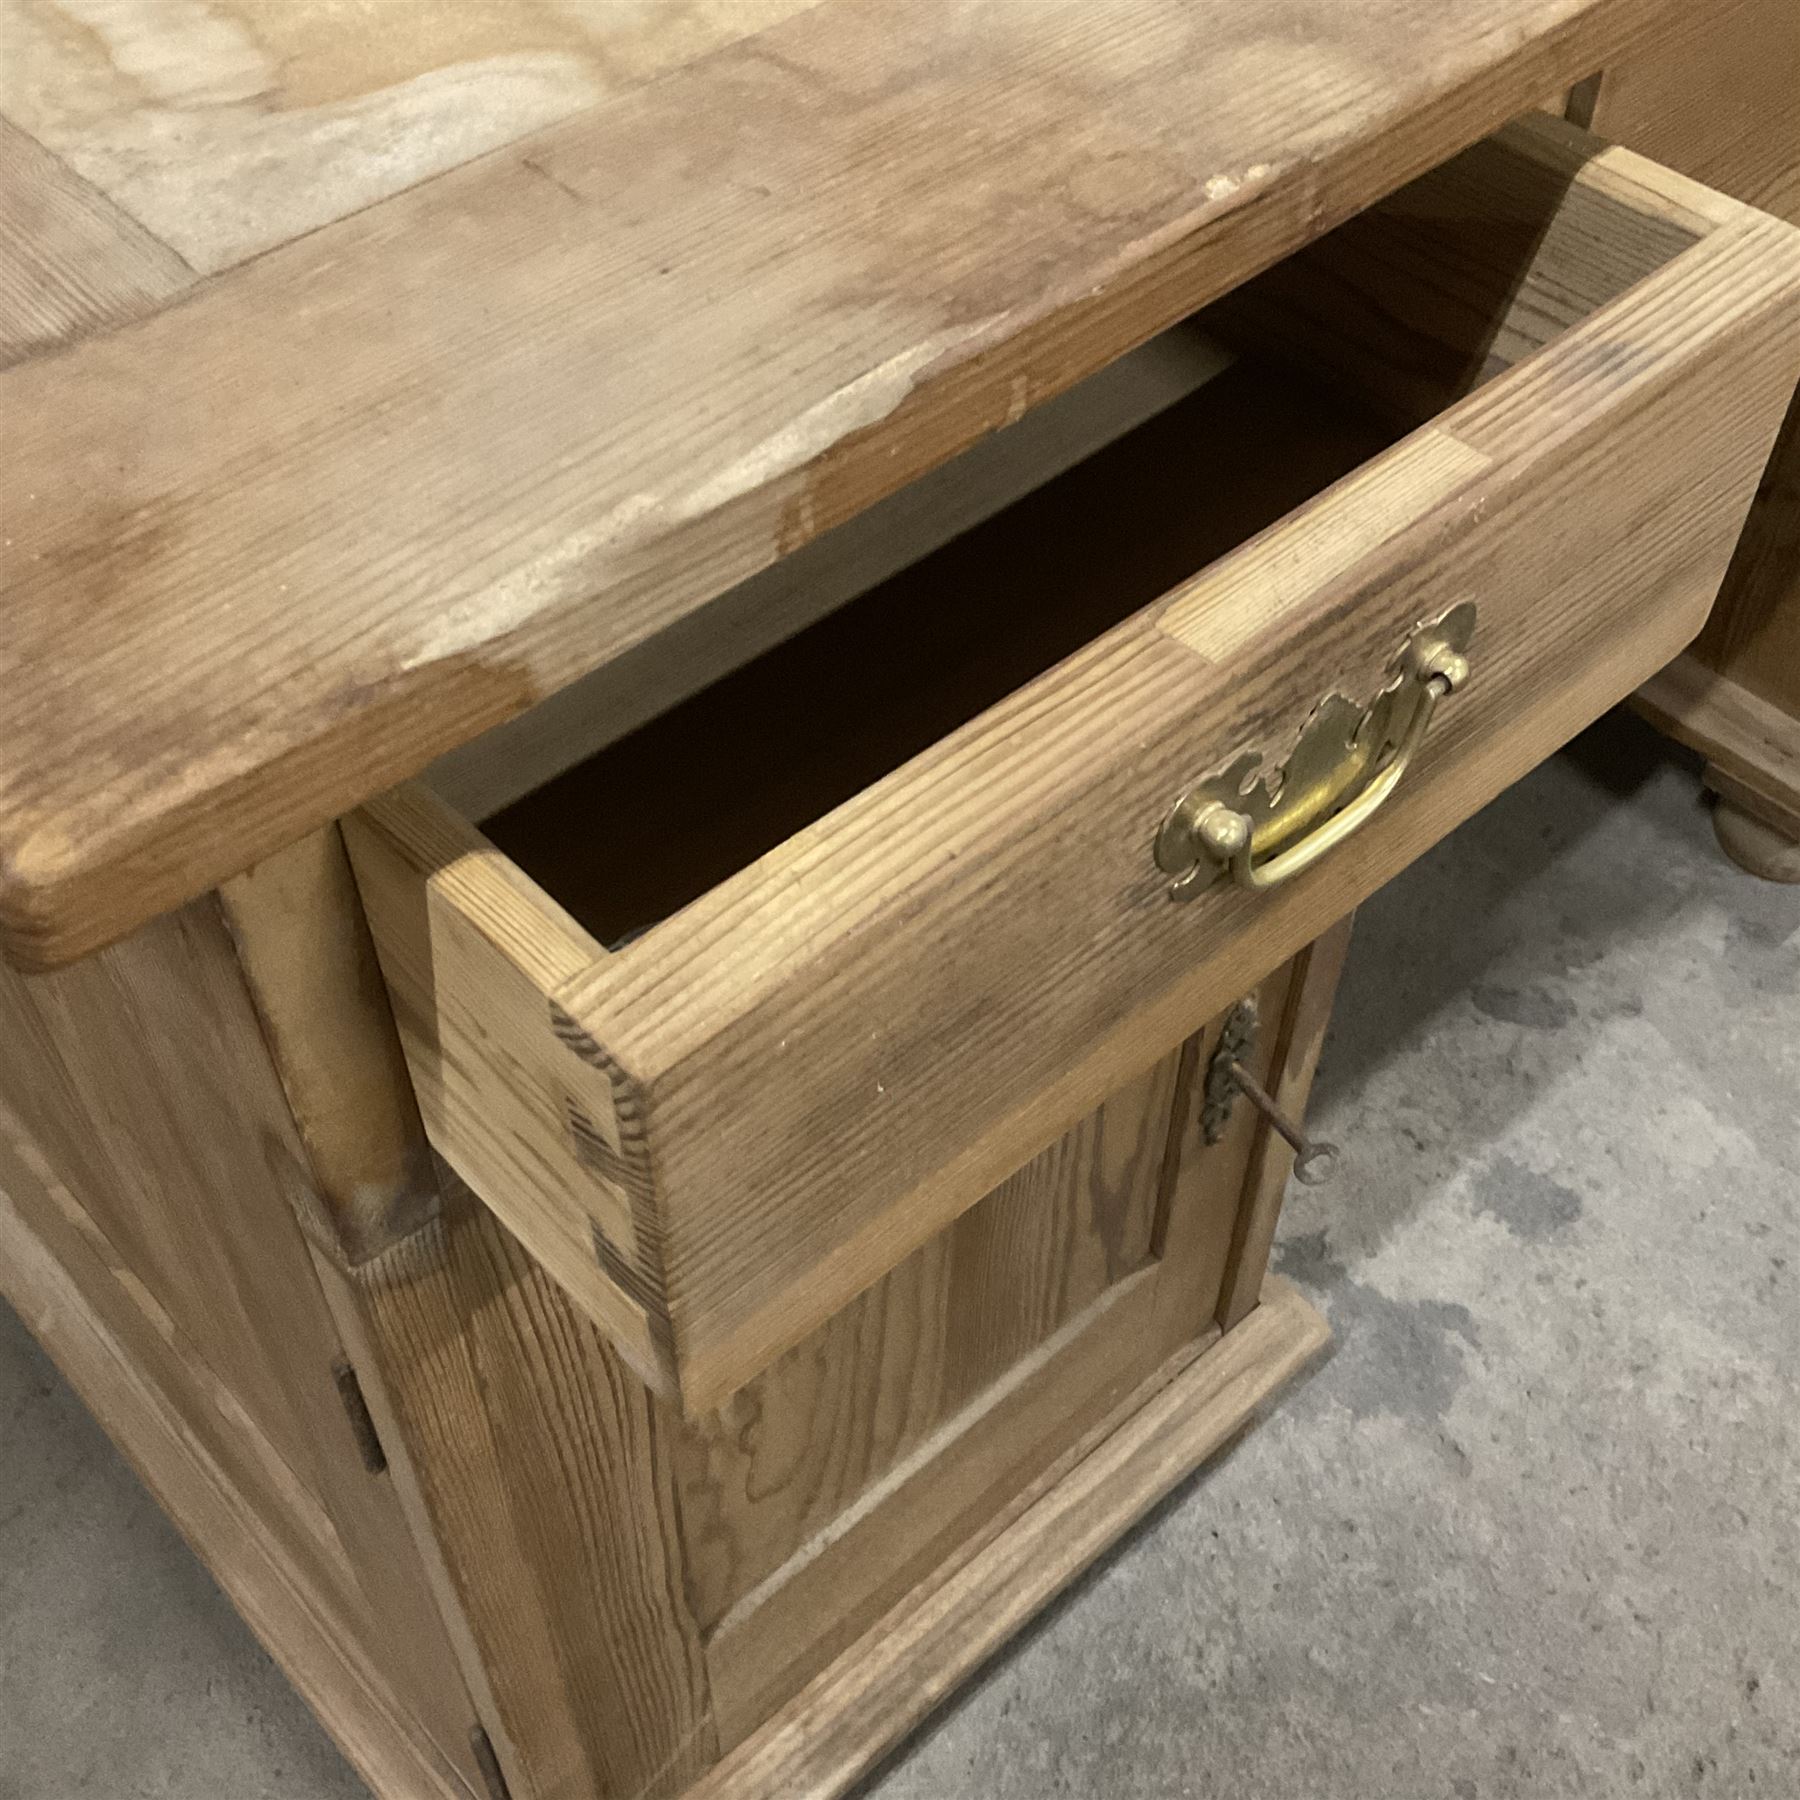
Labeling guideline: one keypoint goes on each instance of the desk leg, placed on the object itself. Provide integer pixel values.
(1764, 848)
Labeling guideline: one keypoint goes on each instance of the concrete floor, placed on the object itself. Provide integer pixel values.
(1532, 1529)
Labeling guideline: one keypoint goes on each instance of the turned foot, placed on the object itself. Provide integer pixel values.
(1761, 848)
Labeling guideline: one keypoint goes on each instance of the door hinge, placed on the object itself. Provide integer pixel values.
(489, 1764)
(362, 1424)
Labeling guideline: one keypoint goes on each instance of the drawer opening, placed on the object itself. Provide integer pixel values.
(646, 825)
(1305, 374)
(887, 843)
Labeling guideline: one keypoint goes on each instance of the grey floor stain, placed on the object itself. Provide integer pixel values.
(1762, 946)
(1394, 1356)
(1531, 1205)
(1536, 1007)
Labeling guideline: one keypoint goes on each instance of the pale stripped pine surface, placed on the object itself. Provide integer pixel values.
(226, 127)
(389, 483)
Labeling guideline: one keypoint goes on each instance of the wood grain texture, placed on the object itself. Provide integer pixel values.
(1599, 552)
(310, 971)
(892, 673)
(242, 1444)
(949, 1386)
(190, 1456)
(388, 485)
(471, 953)
(140, 1080)
(996, 893)
(542, 1466)
(1718, 97)
(1715, 94)
(1002, 1411)
(1300, 1029)
(1752, 742)
(228, 128)
(1470, 270)
(886, 1684)
(643, 1590)
(817, 1603)
(146, 1147)
(887, 675)
(1753, 637)
(791, 1452)
(70, 262)
(318, 992)
(625, 1591)
(505, 764)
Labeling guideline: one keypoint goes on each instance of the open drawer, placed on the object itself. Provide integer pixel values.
(735, 1013)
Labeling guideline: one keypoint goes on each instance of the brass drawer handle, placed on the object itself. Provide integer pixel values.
(1267, 828)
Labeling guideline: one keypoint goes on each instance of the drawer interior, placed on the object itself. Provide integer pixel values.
(637, 830)
(1308, 373)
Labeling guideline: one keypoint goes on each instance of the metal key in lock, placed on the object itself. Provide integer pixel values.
(1228, 1074)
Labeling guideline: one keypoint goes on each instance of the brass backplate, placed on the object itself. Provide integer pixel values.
(1339, 748)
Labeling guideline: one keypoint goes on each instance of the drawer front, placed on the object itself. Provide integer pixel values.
(766, 1102)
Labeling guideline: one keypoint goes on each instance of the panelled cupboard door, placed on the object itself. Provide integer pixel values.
(652, 1591)
(829, 1486)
